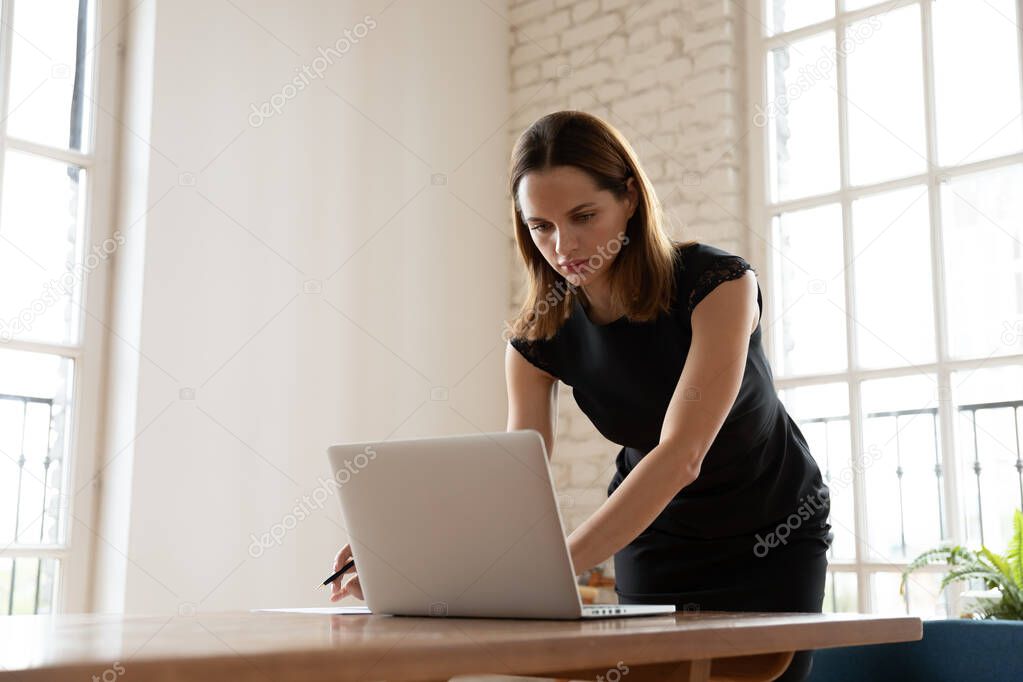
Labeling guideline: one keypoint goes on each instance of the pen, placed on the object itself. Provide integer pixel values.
(351, 562)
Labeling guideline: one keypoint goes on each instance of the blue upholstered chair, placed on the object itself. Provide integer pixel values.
(954, 650)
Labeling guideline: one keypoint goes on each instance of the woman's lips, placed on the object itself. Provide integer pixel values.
(574, 265)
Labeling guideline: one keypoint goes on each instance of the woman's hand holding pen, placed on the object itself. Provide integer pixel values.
(352, 587)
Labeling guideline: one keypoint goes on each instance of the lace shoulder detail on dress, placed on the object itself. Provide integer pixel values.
(722, 269)
(533, 351)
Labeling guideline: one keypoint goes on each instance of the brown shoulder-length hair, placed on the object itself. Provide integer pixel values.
(642, 275)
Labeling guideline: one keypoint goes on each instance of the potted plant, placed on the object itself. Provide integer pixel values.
(1002, 574)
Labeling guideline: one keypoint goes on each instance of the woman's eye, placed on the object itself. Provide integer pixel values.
(544, 227)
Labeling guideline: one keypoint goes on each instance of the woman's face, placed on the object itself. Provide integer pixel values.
(576, 226)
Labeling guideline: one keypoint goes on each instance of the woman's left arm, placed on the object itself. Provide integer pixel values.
(707, 388)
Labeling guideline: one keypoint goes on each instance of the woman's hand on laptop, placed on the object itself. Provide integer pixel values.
(352, 587)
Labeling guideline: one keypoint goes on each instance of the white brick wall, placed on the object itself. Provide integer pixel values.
(667, 73)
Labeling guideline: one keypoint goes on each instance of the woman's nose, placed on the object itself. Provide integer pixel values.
(566, 242)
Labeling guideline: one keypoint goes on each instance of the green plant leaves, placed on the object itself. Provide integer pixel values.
(1004, 573)
(1014, 554)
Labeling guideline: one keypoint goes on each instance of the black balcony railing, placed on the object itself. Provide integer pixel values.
(979, 459)
(25, 511)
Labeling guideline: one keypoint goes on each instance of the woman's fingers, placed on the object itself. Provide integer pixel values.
(342, 557)
(337, 591)
(339, 561)
(353, 587)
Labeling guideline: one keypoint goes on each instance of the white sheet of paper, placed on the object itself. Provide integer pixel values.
(325, 610)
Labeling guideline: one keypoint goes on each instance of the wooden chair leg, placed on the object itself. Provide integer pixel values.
(683, 671)
(759, 668)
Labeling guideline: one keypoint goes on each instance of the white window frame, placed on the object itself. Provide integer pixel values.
(74, 576)
(762, 213)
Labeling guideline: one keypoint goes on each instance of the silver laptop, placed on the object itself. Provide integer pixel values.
(463, 525)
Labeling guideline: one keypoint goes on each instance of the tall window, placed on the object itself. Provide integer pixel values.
(47, 163)
(892, 212)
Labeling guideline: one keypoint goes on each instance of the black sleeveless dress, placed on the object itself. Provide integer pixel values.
(751, 533)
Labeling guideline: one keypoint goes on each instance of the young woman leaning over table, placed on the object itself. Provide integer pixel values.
(716, 502)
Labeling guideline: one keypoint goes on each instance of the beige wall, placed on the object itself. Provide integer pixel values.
(340, 269)
(335, 271)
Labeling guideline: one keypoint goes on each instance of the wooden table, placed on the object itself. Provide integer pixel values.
(281, 647)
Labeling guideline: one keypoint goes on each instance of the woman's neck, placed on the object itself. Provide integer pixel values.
(598, 304)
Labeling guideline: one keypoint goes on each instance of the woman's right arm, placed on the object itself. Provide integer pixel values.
(532, 397)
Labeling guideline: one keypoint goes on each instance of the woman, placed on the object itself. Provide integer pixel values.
(717, 503)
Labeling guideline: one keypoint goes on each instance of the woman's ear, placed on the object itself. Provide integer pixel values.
(632, 193)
